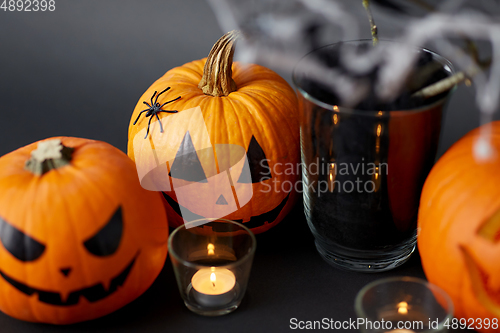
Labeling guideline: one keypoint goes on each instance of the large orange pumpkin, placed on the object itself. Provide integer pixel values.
(459, 228)
(79, 236)
(239, 106)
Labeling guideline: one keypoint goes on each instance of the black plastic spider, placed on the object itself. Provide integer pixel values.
(154, 109)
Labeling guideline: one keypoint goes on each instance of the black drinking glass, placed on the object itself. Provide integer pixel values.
(363, 172)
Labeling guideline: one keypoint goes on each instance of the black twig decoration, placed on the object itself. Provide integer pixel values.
(154, 109)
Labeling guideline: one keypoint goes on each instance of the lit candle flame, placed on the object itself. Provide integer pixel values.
(379, 130)
(212, 279)
(335, 108)
(210, 248)
(403, 307)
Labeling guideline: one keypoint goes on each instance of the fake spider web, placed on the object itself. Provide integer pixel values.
(279, 33)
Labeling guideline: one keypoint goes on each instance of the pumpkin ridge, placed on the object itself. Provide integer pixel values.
(262, 82)
(182, 75)
(216, 105)
(270, 113)
(265, 122)
(457, 203)
(243, 133)
(246, 74)
(278, 110)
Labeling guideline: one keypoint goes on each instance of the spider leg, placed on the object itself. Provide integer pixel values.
(147, 104)
(161, 93)
(168, 111)
(135, 122)
(175, 99)
(158, 96)
(149, 124)
(161, 126)
(153, 97)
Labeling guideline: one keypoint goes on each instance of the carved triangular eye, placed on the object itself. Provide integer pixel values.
(490, 229)
(257, 169)
(187, 165)
(106, 241)
(20, 245)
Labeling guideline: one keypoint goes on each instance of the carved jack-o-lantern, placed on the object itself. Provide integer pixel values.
(79, 237)
(198, 164)
(459, 228)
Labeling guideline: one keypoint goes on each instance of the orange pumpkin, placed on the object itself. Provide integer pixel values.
(239, 106)
(79, 236)
(459, 228)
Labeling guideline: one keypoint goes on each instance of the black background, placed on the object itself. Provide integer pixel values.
(80, 70)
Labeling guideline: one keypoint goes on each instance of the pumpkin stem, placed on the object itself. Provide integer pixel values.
(217, 77)
(49, 155)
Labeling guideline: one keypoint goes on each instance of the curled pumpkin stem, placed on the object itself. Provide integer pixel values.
(217, 79)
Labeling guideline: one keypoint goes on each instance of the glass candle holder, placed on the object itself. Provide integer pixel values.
(403, 305)
(212, 262)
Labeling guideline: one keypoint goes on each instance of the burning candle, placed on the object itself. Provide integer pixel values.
(212, 264)
(213, 286)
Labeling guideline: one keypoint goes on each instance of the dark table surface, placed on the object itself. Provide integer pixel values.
(79, 71)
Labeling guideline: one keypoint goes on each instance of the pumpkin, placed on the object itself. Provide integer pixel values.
(459, 228)
(222, 140)
(79, 236)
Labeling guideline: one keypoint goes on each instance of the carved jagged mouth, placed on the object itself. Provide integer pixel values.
(479, 280)
(255, 221)
(92, 294)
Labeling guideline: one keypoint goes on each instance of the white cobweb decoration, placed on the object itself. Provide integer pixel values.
(279, 33)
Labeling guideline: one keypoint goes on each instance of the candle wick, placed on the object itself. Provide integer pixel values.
(213, 284)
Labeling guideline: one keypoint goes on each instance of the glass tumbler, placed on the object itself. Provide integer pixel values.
(212, 264)
(363, 172)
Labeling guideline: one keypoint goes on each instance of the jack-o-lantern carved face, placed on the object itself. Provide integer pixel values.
(240, 181)
(104, 243)
(459, 229)
(243, 105)
(78, 242)
(245, 176)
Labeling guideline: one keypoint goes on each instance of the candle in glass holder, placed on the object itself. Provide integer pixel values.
(212, 264)
(213, 286)
(404, 305)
